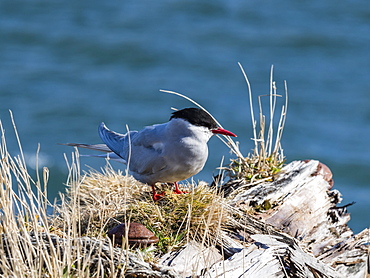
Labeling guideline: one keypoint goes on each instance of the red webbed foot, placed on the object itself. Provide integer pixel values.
(156, 196)
(177, 190)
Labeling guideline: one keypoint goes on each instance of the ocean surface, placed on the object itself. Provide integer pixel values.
(66, 66)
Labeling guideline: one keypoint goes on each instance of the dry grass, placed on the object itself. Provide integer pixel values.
(267, 157)
(31, 242)
(176, 219)
(109, 198)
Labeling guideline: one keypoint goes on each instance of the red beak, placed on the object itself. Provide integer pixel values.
(222, 131)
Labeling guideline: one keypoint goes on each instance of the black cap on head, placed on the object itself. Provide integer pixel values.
(196, 117)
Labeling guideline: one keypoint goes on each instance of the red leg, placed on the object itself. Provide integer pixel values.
(156, 196)
(177, 190)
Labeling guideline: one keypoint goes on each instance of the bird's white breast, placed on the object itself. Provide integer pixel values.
(185, 149)
(178, 151)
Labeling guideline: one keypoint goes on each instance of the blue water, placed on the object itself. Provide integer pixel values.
(65, 66)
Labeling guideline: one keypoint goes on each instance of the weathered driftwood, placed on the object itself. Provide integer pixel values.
(288, 227)
(303, 205)
(192, 259)
(270, 256)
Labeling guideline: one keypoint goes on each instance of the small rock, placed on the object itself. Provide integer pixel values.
(138, 235)
(325, 172)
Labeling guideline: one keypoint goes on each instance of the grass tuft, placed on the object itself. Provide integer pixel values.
(109, 198)
(267, 158)
(176, 219)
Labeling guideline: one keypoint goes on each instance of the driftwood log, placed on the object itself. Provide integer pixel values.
(291, 226)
